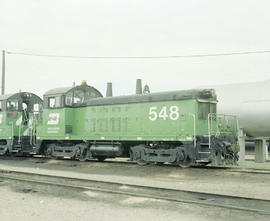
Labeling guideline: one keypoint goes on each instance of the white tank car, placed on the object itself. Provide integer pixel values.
(250, 102)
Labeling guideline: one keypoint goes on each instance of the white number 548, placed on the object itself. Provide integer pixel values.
(173, 113)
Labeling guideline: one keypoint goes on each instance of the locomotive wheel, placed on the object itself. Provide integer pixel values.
(57, 158)
(7, 153)
(82, 159)
(83, 156)
(203, 164)
(159, 163)
(81, 152)
(142, 162)
(184, 164)
(20, 154)
(49, 150)
(101, 158)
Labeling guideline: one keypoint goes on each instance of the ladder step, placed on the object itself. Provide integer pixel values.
(204, 144)
(202, 161)
(15, 151)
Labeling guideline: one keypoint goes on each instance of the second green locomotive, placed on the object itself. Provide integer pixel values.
(19, 116)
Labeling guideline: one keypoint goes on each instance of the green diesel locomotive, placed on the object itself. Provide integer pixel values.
(19, 116)
(179, 127)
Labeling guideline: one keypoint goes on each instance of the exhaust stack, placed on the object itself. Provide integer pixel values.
(109, 90)
(139, 86)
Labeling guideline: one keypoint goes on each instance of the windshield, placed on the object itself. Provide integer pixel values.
(79, 96)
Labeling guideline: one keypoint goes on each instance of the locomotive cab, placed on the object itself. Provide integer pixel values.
(70, 96)
(56, 135)
(19, 115)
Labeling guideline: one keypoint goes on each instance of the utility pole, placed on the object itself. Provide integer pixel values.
(3, 72)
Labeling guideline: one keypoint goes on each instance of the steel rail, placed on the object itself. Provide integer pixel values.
(43, 159)
(183, 196)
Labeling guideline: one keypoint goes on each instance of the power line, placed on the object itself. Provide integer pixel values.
(141, 57)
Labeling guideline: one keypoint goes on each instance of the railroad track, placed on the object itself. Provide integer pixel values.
(190, 197)
(42, 159)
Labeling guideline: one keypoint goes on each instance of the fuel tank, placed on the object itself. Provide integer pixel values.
(250, 102)
(106, 149)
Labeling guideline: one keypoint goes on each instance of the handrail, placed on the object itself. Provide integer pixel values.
(24, 111)
(33, 132)
(12, 132)
(209, 130)
(194, 128)
(34, 137)
(35, 120)
(19, 140)
(225, 121)
(31, 137)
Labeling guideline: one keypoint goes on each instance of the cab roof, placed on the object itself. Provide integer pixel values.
(65, 90)
(18, 95)
(59, 90)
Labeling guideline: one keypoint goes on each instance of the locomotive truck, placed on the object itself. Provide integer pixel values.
(178, 127)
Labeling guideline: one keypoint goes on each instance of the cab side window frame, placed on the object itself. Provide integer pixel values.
(2, 106)
(12, 105)
(54, 102)
(204, 108)
(69, 99)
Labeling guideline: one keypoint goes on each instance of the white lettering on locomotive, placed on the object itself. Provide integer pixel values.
(53, 118)
(173, 114)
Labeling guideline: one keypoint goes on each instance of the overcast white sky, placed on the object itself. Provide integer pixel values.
(133, 28)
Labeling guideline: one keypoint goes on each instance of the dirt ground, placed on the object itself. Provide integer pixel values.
(213, 180)
(26, 202)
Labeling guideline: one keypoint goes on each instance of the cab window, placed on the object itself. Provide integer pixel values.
(12, 105)
(69, 98)
(204, 109)
(90, 95)
(1, 106)
(78, 97)
(54, 102)
(75, 97)
(36, 108)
